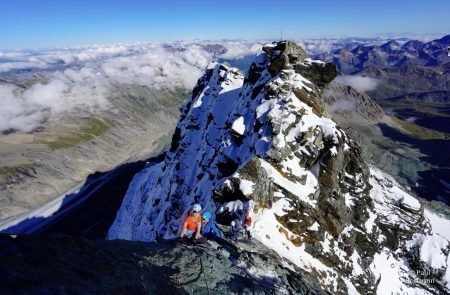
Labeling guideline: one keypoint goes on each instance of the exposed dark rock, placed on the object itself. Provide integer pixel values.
(64, 264)
(227, 168)
(176, 137)
(202, 82)
(283, 55)
(320, 75)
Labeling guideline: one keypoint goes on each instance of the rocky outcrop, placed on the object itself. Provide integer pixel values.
(76, 265)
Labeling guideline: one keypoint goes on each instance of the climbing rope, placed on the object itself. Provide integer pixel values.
(205, 277)
(203, 269)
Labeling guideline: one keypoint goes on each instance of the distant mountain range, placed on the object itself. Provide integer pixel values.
(414, 66)
(391, 55)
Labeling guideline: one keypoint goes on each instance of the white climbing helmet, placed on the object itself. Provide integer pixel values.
(197, 208)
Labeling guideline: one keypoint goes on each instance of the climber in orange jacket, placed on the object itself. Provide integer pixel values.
(192, 223)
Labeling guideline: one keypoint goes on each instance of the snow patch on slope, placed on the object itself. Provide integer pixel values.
(394, 206)
(239, 126)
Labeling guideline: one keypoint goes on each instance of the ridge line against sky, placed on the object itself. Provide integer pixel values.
(373, 39)
(50, 23)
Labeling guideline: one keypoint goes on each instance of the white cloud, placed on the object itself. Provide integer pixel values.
(16, 112)
(317, 46)
(358, 82)
(26, 109)
(8, 66)
(236, 50)
(82, 77)
(343, 105)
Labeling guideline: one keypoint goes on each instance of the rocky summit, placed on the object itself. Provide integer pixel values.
(261, 145)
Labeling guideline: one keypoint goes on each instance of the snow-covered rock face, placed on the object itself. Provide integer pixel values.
(260, 145)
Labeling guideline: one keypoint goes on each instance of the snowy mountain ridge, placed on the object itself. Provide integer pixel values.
(260, 145)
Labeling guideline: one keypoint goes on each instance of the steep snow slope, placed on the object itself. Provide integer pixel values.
(260, 145)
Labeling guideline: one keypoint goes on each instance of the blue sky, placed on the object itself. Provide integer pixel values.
(47, 23)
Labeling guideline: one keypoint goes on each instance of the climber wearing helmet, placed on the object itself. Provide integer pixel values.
(209, 228)
(192, 223)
